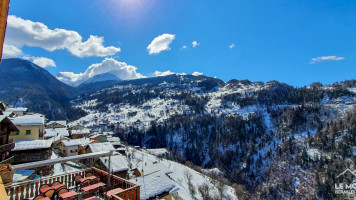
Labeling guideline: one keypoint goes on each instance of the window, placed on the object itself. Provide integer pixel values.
(28, 132)
(17, 132)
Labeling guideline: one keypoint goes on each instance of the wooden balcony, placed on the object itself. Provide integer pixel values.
(7, 147)
(29, 189)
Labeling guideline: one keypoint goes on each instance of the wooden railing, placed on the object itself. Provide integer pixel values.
(29, 189)
(128, 194)
(8, 160)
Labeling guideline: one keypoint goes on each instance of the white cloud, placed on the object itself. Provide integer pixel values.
(160, 43)
(197, 74)
(43, 62)
(20, 32)
(165, 73)
(232, 45)
(109, 65)
(183, 47)
(324, 58)
(195, 43)
(10, 51)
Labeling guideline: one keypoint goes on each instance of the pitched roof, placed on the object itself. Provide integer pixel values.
(18, 109)
(150, 169)
(118, 163)
(113, 139)
(7, 113)
(28, 120)
(77, 142)
(82, 131)
(31, 144)
(52, 132)
(104, 146)
(153, 185)
(63, 122)
(11, 125)
(108, 133)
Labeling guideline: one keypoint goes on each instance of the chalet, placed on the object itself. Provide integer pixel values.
(31, 151)
(54, 132)
(155, 186)
(119, 164)
(31, 127)
(74, 147)
(56, 124)
(57, 141)
(160, 152)
(77, 127)
(19, 111)
(82, 133)
(6, 126)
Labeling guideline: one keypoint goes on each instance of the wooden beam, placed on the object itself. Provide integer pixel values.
(4, 9)
(3, 194)
(32, 165)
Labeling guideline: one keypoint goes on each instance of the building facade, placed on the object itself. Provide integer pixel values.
(6, 144)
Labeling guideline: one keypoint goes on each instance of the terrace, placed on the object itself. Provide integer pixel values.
(86, 183)
(112, 187)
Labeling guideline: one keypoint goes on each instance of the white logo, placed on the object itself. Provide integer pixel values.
(344, 188)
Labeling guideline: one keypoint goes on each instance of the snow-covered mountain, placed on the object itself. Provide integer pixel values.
(102, 77)
(244, 128)
(273, 140)
(71, 79)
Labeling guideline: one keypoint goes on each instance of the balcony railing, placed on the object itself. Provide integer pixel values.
(8, 160)
(29, 189)
(7, 147)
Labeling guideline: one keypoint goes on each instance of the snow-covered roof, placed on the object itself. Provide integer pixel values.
(11, 125)
(150, 169)
(158, 152)
(108, 133)
(56, 138)
(113, 139)
(83, 131)
(52, 132)
(18, 109)
(62, 122)
(118, 163)
(28, 120)
(153, 185)
(77, 142)
(104, 146)
(7, 113)
(2, 117)
(31, 144)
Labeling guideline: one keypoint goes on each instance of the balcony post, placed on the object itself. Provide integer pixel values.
(108, 183)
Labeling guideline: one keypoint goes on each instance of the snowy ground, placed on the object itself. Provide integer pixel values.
(21, 175)
(61, 168)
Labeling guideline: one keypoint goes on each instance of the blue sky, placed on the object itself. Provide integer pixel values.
(296, 41)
